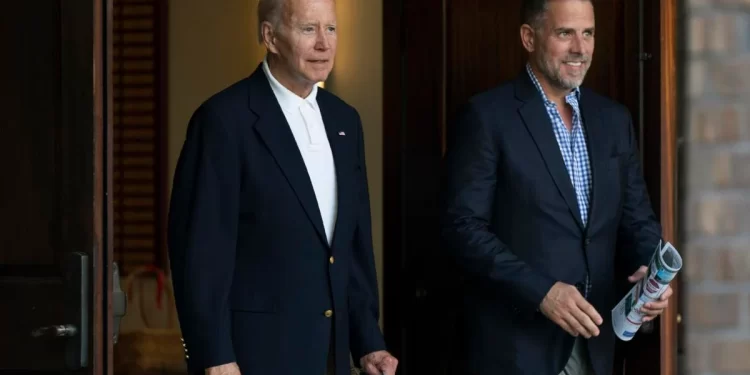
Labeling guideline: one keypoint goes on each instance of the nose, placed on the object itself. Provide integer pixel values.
(322, 42)
(577, 45)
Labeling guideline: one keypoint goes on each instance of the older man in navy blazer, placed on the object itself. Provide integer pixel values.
(269, 225)
(543, 183)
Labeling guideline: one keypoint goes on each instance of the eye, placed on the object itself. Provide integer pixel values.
(563, 34)
(308, 29)
(331, 29)
(588, 34)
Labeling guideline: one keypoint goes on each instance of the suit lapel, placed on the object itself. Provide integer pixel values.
(537, 121)
(274, 130)
(337, 130)
(597, 152)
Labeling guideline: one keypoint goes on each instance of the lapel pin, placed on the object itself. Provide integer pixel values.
(342, 133)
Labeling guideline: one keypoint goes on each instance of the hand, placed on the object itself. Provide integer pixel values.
(651, 309)
(226, 369)
(379, 363)
(565, 306)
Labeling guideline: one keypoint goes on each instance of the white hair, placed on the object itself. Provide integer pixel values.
(269, 11)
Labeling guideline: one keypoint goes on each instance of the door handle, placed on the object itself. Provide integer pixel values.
(65, 330)
(76, 269)
(119, 302)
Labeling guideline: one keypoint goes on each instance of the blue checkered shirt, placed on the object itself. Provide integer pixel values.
(573, 148)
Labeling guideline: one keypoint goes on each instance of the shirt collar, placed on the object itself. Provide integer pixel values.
(286, 98)
(576, 92)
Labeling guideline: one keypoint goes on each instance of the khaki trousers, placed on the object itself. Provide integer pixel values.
(579, 362)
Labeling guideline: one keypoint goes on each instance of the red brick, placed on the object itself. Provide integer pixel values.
(696, 77)
(730, 77)
(721, 35)
(697, 34)
(741, 169)
(695, 264)
(715, 124)
(698, 353)
(732, 356)
(732, 264)
(713, 311)
(722, 169)
(716, 216)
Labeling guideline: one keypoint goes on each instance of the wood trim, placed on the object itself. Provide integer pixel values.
(101, 336)
(109, 233)
(163, 134)
(668, 323)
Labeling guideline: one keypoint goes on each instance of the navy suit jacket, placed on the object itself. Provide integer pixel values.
(255, 279)
(511, 219)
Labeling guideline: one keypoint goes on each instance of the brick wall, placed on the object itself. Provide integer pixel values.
(716, 180)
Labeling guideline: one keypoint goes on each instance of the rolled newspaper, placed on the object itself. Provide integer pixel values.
(664, 265)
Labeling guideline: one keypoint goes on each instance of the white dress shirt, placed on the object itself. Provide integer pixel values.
(305, 121)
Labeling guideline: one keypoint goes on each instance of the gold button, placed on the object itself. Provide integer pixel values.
(330, 260)
(187, 357)
(181, 339)
(328, 313)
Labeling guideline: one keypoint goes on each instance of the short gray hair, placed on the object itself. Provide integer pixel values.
(269, 11)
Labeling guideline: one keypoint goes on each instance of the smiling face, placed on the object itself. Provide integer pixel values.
(561, 46)
(303, 47)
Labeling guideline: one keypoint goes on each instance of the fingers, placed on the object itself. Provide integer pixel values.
(370, 369)
(564, 325)
(667, 293)
(654, 308)
(388, 366)
(589, 310)
(576, 325)
(588, 326)
(638, 274)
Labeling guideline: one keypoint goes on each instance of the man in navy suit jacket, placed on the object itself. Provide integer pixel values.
(269, 225)
(543, 183)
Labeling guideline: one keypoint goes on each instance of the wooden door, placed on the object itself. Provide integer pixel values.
(434, 60)
(53, 279)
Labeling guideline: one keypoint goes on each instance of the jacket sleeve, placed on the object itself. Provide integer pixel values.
(639, 231)
(468, 201)
(203, 221)
(364, 332)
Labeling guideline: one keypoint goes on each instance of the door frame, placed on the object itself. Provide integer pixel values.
(668, 340)
(103, 270)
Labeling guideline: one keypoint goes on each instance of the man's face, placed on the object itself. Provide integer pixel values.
(564, 45)
(306, 39)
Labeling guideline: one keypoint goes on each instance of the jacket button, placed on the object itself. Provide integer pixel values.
(328, 313)
(331, 260)
(588, 241)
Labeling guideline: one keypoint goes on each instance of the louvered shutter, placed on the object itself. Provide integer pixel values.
(139, 132)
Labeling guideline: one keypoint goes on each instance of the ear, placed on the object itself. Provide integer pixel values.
(527, 37)
(269, 37)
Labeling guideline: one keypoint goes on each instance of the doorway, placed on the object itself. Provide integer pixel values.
(54, 264)
(435, 58)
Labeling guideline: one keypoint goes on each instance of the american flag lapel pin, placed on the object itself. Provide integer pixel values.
(342, 133)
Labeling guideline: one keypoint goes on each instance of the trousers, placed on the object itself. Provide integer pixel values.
(579, 362)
